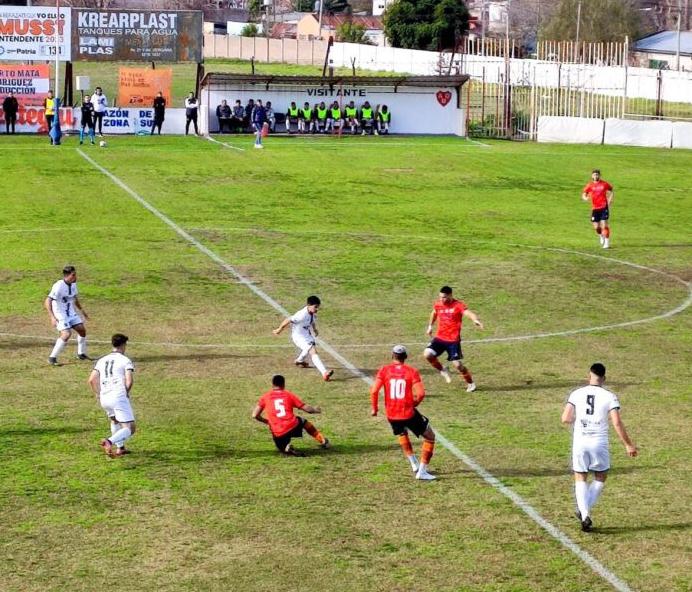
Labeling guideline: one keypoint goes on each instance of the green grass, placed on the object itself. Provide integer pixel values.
(374, 226)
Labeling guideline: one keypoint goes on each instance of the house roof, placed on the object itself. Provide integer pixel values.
(284, 30)
(334, 21)
(218, 81)
(665, 42)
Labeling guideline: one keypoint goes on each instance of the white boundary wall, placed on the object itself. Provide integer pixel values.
(415, 110)
(619, 132)
(608, 80)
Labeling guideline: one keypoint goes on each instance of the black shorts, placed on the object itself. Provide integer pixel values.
(453, 349)
(600, 215)
(285, 439)
(417, 423)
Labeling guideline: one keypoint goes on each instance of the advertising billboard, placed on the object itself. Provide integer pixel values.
(29, 84)
(29, 33)
(136, 35)
(138, 86)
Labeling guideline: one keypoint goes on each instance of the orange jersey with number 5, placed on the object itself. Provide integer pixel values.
(398, 380)
(278, 406)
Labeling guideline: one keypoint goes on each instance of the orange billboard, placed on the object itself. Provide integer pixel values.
(138, 86)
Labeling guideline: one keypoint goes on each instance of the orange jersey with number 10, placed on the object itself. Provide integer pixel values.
(398, 380)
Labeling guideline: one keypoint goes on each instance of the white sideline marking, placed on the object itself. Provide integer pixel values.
(477, 142)
(557, 534)
(225, 144)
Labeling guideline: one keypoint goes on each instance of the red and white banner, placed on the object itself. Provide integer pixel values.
(29, 33)
(30, 84)
(32, 120)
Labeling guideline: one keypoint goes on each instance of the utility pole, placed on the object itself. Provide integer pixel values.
(578, 20)
(677, 48)
(319, 22)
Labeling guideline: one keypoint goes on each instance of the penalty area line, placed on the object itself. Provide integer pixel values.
(225, 144)
(490, 479)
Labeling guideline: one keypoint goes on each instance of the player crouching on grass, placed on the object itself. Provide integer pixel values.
(283, 424)
(403, 392)
(449, 313)
(303, 332)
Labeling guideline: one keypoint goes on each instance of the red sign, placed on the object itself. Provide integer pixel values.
(29, 84)
(443, 97)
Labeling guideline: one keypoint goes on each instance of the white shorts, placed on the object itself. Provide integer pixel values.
(590, 457)
(118, 407)
(303, 342)
(69, 322)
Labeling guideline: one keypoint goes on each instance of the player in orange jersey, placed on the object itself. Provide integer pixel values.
(403, 392)
(284, 425)
(601, 194)
(449, 312)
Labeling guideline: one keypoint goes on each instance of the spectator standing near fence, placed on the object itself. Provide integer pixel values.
(259, 118)
(100, 104)
(306, 119)
(159, 112)
(601, 194)
(384, 118)
(10, 106)
(49, 106)
(191, 110)
(223, 114)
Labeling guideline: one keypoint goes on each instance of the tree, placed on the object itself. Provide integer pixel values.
(601, 20)
(250, 30)
(350, 33)
(426, 24)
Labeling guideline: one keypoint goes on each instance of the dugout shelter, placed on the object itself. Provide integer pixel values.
(419, 104)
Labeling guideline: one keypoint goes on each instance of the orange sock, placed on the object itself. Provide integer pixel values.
(467, 376)
(606, 232)
(405, 444)
(427, 452)
(313, 431)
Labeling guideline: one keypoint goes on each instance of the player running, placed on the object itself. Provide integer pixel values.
(62, 304)
(303, 332)
(601, 194)
(284, 425)
(403, 392)
(111, 381)
(449, 312)
(588, 410)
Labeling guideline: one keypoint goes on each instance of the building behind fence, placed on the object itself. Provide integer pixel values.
(506, 95)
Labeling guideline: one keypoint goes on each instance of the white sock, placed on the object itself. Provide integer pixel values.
(118, 439)
(414, 461)
(115, 426)
(58, 347)
(81, 345)
(423, 468)
(594, 491)
(581, 489)
(303, 354)
(318, 364)
(606, 242)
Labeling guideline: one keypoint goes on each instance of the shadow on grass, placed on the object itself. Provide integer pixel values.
(24, 344)
(609, 530)
(552, 471)
(190, 356)
(41, 431)
(557, 384)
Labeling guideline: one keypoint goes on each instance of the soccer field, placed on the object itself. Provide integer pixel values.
(191, 247)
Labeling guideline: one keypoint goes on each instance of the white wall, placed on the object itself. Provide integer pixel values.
(414, 110)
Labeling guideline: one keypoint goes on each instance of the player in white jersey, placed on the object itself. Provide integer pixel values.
(304, 332)
(111, 382)
(588, 409)
(62, 304)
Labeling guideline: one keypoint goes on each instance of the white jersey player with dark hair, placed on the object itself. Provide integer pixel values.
(62, 304)
(303, 333)
(111, 381)
(588, 409)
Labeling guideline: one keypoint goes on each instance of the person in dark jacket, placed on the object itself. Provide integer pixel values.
(191, 108)
(237, 121)
(87, 120)
(10, 106)
(248, 114)
(259, 120)
(223, 114)
(159, 112)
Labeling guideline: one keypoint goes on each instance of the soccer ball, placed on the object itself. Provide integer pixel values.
(102, 143)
